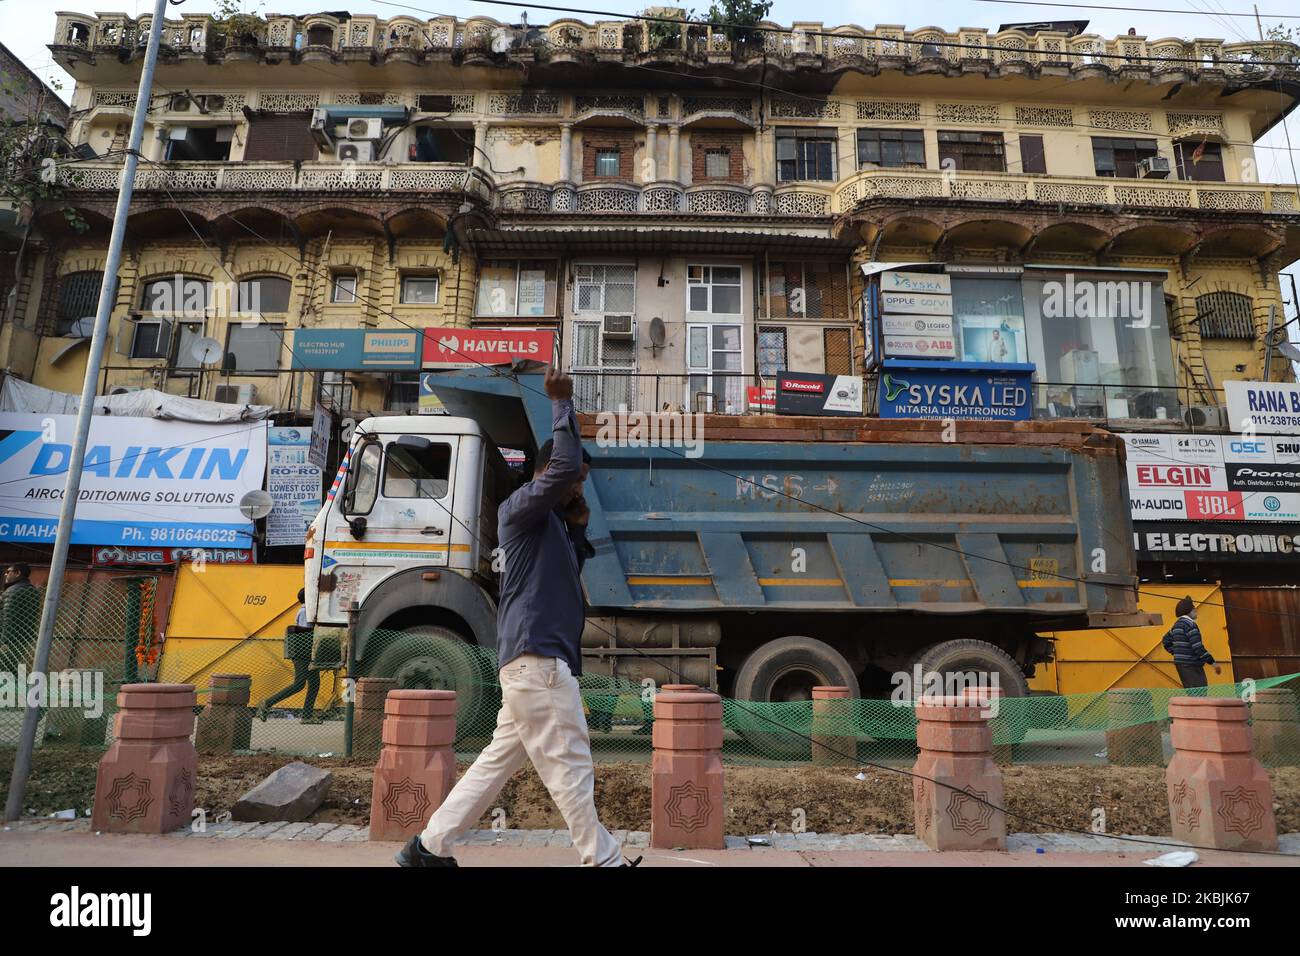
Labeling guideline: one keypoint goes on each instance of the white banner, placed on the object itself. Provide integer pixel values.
(145, 481)
(1213, 478)
(1269, 407)
(294, 484)
(930, 282)
(916, 303)
(932, 325)
(920, 346)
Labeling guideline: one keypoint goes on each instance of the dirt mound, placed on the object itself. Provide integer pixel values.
(758, 799)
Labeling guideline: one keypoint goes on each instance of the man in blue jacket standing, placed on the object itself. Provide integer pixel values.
(541, 530)
(1183, 641)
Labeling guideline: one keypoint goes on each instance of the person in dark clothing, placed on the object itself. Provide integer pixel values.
(20, 617)
(1183, 641)
(540, 619)
(297, 648)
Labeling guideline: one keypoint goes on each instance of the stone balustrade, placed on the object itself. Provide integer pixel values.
(322, 36)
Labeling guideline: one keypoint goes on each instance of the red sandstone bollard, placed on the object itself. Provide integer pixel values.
(1219, 794)
(417, 767)
(226, 724)
(957, 784)
(145, 782)
(1276, 726)
(833, 739)
(368, 720)
(686, 807)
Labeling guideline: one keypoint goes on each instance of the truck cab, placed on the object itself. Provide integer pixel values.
(405, 538)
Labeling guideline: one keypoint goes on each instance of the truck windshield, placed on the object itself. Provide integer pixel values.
(417, 472)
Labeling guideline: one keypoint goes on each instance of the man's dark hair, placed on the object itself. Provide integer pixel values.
(1185, 606)
(24, 570)
(302, 595)
(543, 457)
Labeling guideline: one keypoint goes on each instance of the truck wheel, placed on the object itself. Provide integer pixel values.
(785, 671)
(964, 655)
(428, 657)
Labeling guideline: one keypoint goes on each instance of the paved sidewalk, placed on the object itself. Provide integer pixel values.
(57, 843)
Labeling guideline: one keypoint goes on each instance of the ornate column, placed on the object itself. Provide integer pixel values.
(674, 154)
(566, 152)
(652, 153)
(480, 145)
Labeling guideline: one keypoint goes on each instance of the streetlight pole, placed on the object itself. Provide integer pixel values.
(72, 488)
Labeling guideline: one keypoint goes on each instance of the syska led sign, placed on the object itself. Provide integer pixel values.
(960, 390)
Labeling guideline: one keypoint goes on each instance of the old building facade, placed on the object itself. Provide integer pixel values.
(688, 214)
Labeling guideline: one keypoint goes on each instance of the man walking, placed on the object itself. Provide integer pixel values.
(297, 650)
(1183, 641)
(539, 631)
(20, 617)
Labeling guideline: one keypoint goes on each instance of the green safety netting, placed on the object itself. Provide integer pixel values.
(1122, 725)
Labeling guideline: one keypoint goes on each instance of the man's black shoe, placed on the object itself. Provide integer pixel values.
(627, 862)
(414, 854)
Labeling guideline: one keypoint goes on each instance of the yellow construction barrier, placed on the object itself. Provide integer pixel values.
(1094, 661)
(231, 619)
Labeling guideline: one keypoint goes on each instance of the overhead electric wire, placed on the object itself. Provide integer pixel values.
(496, 370)
(854, 759)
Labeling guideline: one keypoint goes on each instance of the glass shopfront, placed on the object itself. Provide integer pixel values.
(1099, 339)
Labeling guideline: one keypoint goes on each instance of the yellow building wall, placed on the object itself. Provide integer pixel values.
(1094, 661)
(379, 291)
(231, 619)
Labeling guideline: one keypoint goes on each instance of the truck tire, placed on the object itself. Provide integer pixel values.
(966, 654)
(785, 671)
(428, 657)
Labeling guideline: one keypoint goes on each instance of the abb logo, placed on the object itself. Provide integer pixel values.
(1218, 505)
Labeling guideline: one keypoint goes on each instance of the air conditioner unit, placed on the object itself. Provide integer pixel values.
(1154, 167)
(181, 103)
(617, 327)
(1207, 416)
(349, 151)
(123, 389)
(236, 394)
(365, 128)
(321, 130)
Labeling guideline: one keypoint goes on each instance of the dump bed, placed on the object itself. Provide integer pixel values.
(842, 515)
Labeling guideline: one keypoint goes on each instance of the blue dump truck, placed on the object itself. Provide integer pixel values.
(758, 555)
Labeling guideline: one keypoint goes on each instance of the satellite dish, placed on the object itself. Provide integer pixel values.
(657, 332)
(256, 504)
(1290, 351)
(502, 40)
(206, 351)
